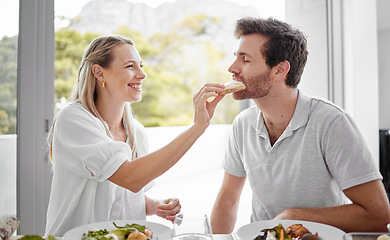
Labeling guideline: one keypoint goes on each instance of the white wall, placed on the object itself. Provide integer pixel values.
(361, 69)
(347, 76)
(383, 17)
(384, 77)
(310, 18)
(8, 174)
(196, 179)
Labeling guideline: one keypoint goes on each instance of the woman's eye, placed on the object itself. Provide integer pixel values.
(130, 66)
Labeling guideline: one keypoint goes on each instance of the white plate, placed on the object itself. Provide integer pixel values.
(325, 232)
(160, 232)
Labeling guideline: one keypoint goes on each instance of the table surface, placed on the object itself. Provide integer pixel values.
(215, 237)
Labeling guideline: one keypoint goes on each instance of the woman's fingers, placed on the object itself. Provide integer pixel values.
(209, 87)
(168, 209)
(204, 109)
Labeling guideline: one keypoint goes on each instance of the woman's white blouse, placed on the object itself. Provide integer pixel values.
(84, 157)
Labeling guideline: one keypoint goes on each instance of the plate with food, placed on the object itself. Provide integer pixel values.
(120, 230)
(288, 229)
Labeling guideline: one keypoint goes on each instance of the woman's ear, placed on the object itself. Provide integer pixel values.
(97, 71)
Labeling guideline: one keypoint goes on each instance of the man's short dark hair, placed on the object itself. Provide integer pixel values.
(284, 43)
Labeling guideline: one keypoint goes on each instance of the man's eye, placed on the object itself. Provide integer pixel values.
(244, 59)
(130, 66)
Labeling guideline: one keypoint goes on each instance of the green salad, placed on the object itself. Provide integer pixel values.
(120, 233)
(36, 237)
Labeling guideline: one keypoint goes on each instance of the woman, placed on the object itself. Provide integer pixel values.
(98, 149)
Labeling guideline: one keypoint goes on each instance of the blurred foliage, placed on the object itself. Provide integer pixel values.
(8, 79)
(69, 49)
(177, 63)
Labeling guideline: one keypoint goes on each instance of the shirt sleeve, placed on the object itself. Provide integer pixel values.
(233, 162)
(81, 141)
(347, 155)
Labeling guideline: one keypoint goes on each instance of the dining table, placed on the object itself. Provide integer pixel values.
(215, 237)
(232, 236)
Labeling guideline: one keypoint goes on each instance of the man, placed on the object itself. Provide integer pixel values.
(304, 157)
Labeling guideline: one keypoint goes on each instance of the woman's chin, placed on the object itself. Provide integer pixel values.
(132, 100)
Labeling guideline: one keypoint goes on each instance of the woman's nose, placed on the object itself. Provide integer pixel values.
(142, 74)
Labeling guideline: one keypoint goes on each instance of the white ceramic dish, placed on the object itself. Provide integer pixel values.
(160, 232)
(325, 232)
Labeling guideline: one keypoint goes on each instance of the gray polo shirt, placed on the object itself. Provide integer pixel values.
(320, 153)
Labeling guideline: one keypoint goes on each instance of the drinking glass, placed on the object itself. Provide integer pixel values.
(363, 235)
(191, 226)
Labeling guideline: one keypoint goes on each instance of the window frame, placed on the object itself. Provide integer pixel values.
(35, 96)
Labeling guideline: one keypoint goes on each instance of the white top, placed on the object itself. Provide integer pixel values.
(320, 153)
(84, 157)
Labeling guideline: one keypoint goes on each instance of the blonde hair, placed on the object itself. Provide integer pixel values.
(84, 92)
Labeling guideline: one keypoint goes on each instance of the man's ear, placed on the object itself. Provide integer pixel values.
(282, 69)
(97, 71)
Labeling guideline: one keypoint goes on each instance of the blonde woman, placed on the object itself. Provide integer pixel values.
(99, 151)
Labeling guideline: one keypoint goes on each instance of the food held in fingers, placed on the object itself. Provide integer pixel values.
(232, 86)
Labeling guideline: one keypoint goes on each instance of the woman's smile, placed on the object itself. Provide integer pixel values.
(135, 86)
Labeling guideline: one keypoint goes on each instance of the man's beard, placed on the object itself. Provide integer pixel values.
(256, 86)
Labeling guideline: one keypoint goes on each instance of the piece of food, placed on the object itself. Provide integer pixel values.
(383, 237)
(136, 236)
(310, 236)
(107, 236)
(127, 232)
(293, 232)
(36, 237)
(8, 226)
(232, 86)
(148, 233)
(296, 230)
(276, 233)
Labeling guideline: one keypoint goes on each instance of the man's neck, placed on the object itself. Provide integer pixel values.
(277, 111)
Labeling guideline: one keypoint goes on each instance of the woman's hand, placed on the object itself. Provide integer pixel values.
(168, 208)
(203, 108)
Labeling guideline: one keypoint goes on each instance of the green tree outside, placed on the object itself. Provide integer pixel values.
(8, 79)
(174, 72)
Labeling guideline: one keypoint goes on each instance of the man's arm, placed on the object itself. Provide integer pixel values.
(224, 214)
(369, 211)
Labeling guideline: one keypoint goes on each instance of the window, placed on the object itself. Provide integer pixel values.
(9, 13)
(184, 44)
(174, 68)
